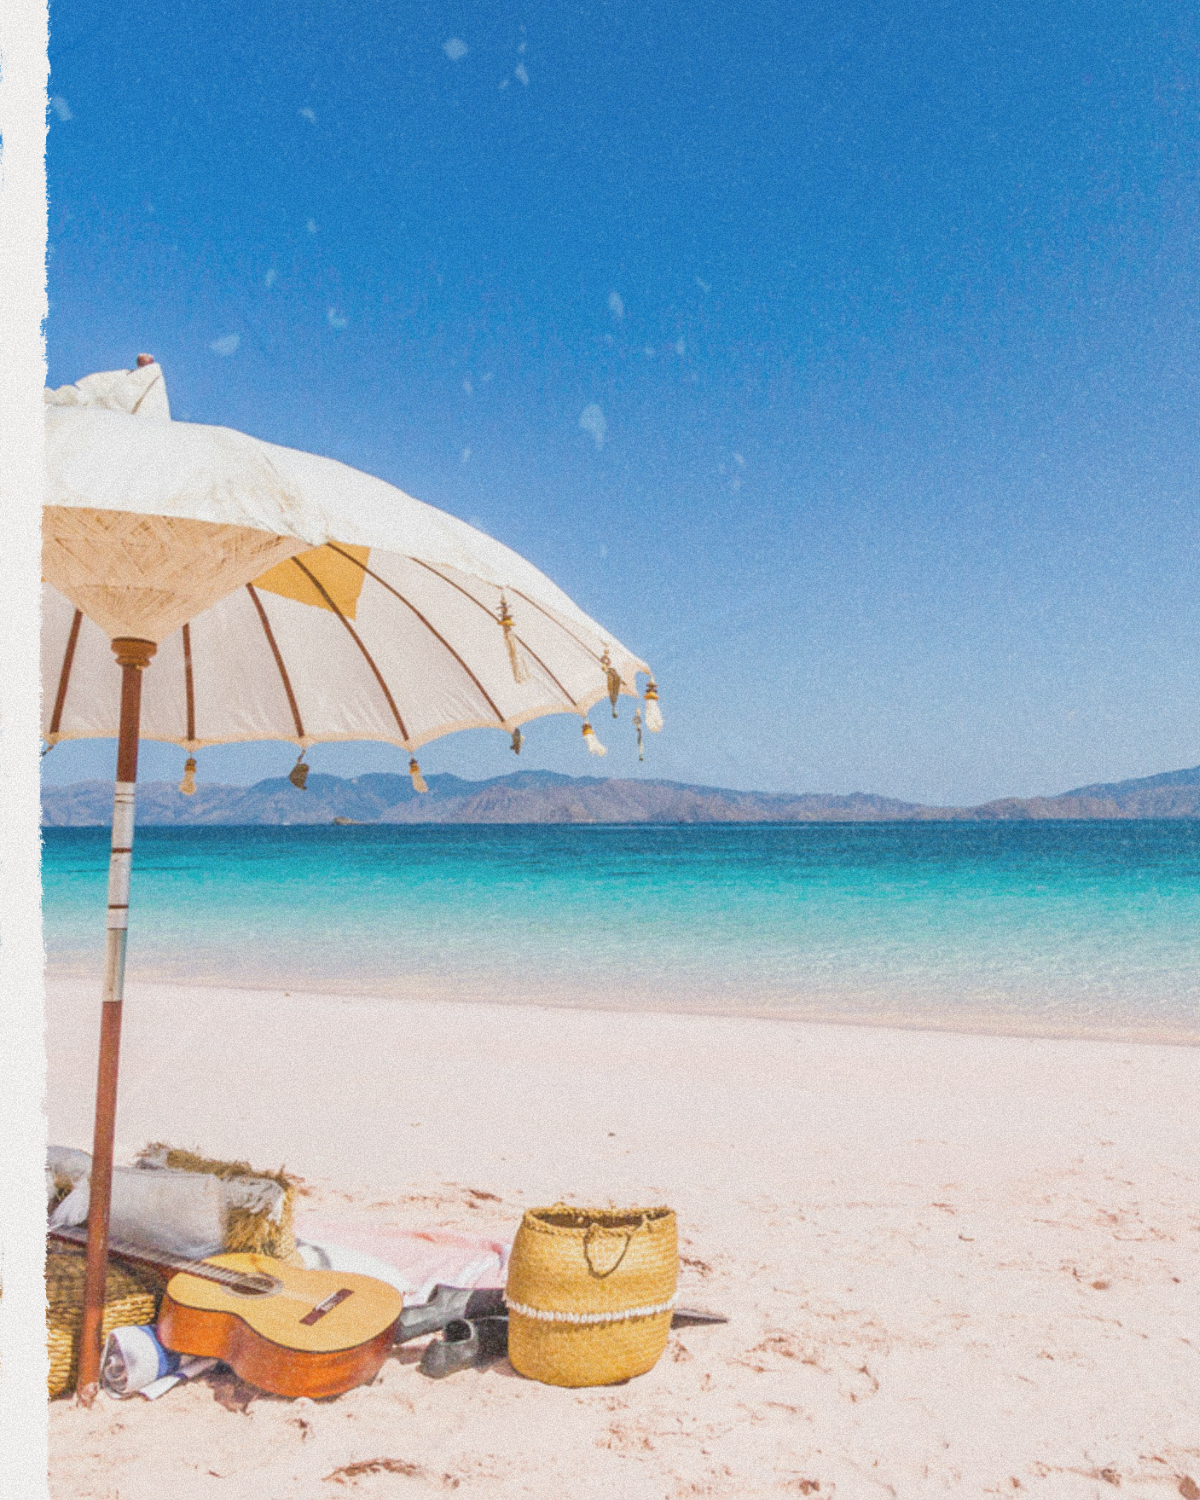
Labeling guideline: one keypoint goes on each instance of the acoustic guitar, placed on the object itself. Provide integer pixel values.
(284, 1329)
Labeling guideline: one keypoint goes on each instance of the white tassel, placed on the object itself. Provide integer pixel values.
(519, 670)
(188, 785)
(418, 780)
(654, 718)
(590, 740)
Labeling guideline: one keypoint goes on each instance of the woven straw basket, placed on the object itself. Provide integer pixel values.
(130, 1297)
(590, 1293)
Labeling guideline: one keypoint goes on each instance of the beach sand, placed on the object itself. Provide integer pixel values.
(953, 1264)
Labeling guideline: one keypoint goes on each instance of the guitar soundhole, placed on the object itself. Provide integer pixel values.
(254, 1285)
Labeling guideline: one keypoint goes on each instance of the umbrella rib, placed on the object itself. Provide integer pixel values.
(560, 625)
(333, 547)
(271, 641)
(188, 685)
(64, 675)
(520, 641)
(357, 639)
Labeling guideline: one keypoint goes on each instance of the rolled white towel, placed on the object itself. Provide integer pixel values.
(135, 1363)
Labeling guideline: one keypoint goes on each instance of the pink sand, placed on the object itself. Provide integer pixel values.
(954, 1264)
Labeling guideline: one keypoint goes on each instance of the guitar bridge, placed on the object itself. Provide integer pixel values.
(328, 1305)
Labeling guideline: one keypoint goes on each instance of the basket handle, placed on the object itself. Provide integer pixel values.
(587, 1248)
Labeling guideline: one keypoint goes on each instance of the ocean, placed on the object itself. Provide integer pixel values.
(1039, 928)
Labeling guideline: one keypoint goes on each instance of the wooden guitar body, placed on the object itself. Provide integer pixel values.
(315, 1333)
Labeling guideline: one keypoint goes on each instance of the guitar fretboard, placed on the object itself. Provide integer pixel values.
(162, 1260)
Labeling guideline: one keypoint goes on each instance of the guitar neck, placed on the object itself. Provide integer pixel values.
(158, 1260)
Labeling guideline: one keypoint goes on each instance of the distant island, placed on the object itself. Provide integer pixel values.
(547, 797)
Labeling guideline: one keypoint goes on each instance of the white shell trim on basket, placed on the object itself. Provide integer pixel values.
(543, 1316)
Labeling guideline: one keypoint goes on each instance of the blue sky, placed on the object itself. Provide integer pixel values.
(891, 312)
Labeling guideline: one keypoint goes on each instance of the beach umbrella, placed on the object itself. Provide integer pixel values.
(203, 586)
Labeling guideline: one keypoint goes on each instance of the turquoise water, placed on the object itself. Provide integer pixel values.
(1043, 927)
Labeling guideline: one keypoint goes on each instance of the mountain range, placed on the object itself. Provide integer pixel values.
(548, 797)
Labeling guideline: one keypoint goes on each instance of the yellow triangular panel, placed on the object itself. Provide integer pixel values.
(338, 575)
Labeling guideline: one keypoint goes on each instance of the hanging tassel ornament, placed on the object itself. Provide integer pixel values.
(590, 740)
(637, 724)
(418, 780)
(654, 720)
(188, 785)
(519, 670)
(614, 680)
(298, 775)
(518, 740)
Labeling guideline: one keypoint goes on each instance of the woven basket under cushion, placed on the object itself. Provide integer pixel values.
(590, 1292)
(130, 1298)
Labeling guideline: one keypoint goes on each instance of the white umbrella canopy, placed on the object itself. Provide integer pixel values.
(263, 593)
(290, 597)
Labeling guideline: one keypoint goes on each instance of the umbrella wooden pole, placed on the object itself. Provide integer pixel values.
(133, 656)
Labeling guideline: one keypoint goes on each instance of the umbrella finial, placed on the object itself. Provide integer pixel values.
(145, 359)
